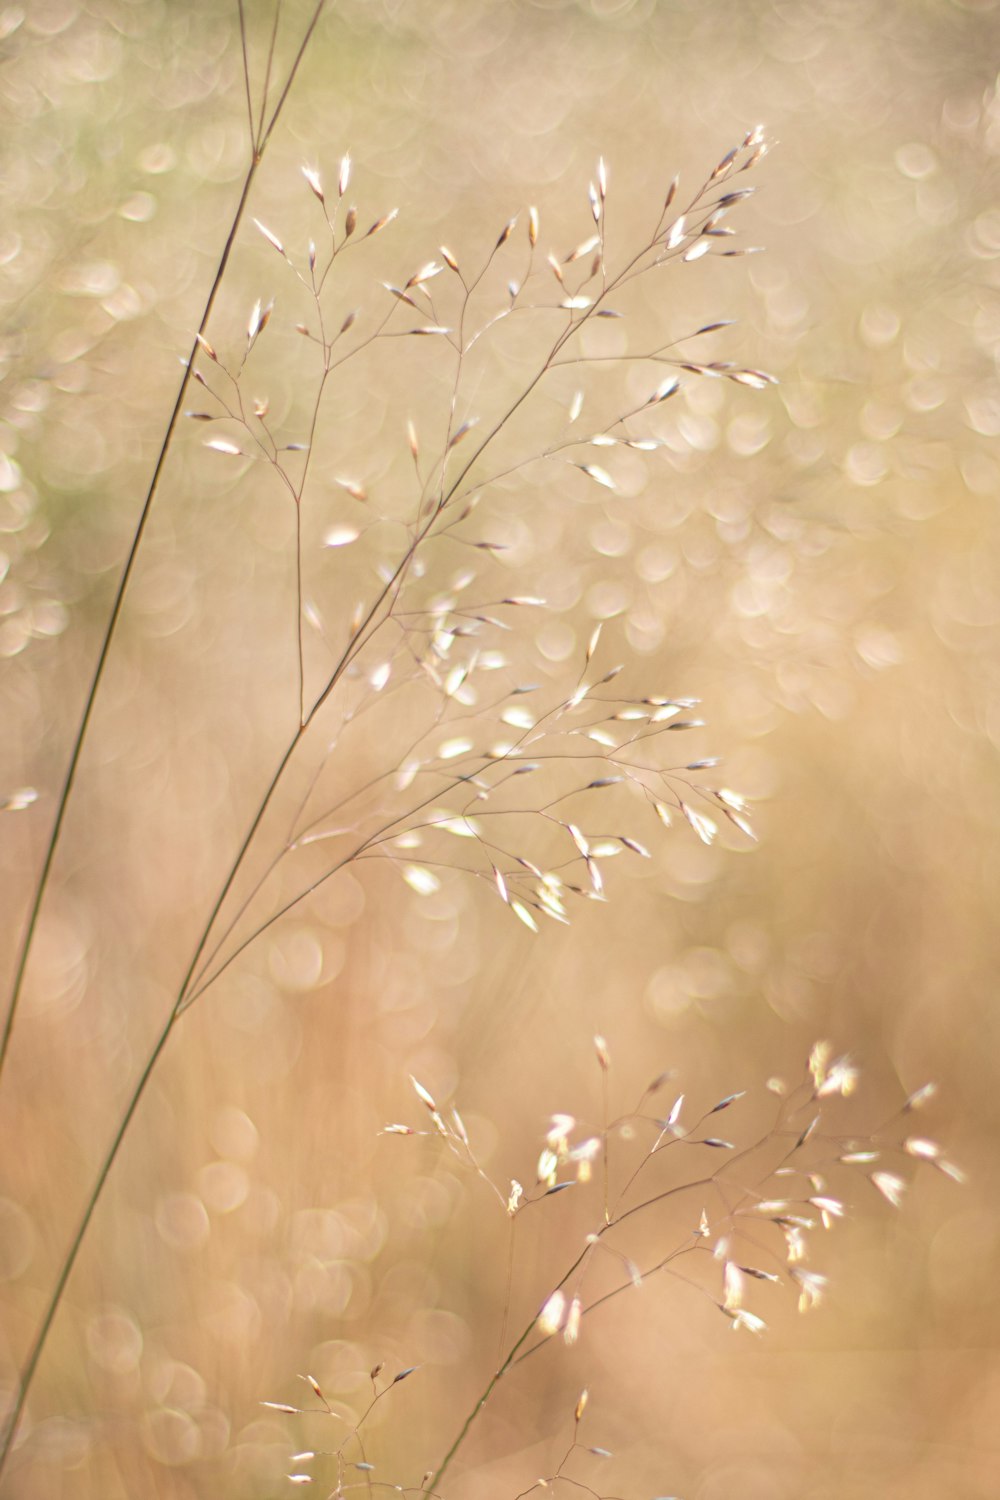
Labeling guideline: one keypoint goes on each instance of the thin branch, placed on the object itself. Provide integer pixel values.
(246, 76)
(269, 64)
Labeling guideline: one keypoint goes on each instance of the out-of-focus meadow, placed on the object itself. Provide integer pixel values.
(816, 561)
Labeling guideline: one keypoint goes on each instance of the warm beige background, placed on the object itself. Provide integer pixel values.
(817, 562)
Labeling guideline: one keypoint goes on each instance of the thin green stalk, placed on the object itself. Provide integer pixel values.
(35, 1352)
(65, 794)
(432, 1483)
(180, 1005)
(110, 630)
(31, 1363)
(494, 1381)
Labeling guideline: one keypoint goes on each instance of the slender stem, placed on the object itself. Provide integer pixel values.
(495, 1379)
(112, 625)
(445, 1463)
(76, 751)
(515, 1355)
(298, 610)
(292, 73)
(266, 87)
(35, 1353)
(605, 1133)
(508, 1284)
(246, 74)
(31, 1363)
(116, 608)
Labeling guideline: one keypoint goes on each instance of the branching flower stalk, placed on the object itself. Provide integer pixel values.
(749, 1221)
(463, 773)
(459, 783)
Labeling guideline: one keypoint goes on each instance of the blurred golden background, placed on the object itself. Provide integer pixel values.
(818, 562)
